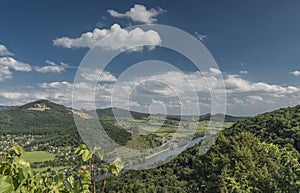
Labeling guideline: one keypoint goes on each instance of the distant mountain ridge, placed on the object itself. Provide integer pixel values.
(4, 108)
(114, 111)
(207, 117)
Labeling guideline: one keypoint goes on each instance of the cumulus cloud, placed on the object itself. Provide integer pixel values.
(55, 85)
(244, 97)
(254, 99)
(14, 64)
(295, 73)
(13, 95)
(234, 83)
(215, 71)
(115, 38)
(5, 73)
(167, 86)
(138, 13)
(7, 64)
(4, 51)
(52, 67)
(97, 75)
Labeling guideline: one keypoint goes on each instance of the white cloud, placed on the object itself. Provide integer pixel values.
(138, 13)
(254, 99)
(13, 95)
(295, 73)
(5, 73)
(114, 38)
(215, 71)
(52, 67)
(51, 85)
(234, 83)
(14, 64)
(94, 75)
(243, 72)
(7, 64)
(4, 51)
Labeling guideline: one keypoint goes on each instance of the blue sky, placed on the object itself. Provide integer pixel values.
(255, 44)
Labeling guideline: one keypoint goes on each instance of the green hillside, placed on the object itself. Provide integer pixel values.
(259, 154)
(280, 126)
(23, 120)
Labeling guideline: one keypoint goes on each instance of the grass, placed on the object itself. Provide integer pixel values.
(215, 124)
(37, 156)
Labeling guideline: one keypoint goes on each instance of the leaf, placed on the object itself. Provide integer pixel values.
(6, 187)
(59, 177)
(98, 152)
(85, 177)
(118, 163)
(23, 163)
(17, 150)
(87, 155)
(116, 166)
(80, 149)
(71, 181)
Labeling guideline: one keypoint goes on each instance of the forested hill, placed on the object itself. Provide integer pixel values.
(256, 155)
(280, 126)
(39, 117)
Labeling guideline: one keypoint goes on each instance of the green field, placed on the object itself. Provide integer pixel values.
(37, 156)
(215, 124)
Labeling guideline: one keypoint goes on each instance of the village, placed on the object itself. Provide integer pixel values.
(42, 156)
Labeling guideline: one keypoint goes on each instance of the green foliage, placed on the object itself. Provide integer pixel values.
(243, 163)
(17, 150)
(16, 174)
(281, 126)
(116, 166)
(84, 152)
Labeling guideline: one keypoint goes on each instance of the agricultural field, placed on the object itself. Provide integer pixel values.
(37, 156)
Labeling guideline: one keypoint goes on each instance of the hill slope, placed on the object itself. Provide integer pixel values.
(280, 126)
(255, 155)
(27, 119)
